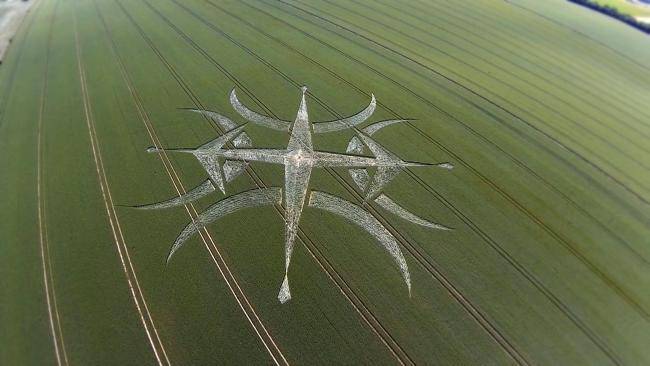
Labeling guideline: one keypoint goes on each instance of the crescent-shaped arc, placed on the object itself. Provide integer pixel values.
(192, 195)
(256, 118)
(366, 221)
(391, 206)
(319, 127)
(252, 198)
(371, 129)
(224, 122)
(348, 122)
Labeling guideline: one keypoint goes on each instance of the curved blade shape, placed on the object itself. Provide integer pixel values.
(223, 121)
(252, 198)
(370, 130)
(199, 191)
(257, 118)
(366, 221)
(391, 206)
(349, 122)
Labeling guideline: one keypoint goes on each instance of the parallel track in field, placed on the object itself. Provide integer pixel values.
(46, 260)
(582, 34)
(236, 290)
(633, 210)
(640, 196)
(562, 68)
(123, 251)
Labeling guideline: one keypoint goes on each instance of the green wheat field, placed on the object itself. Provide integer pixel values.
(541, 106)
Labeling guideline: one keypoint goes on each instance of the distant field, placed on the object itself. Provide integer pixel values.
(11, 14)
(627, 7)
(541, 107)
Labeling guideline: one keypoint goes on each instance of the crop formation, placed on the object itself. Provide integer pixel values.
(533, 249)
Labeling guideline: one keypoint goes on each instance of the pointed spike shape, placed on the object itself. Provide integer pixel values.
(301, 129)
(154, 149)
(298, 164)
(285, 293)
(296, 181)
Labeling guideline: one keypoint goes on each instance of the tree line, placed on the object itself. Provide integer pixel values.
(613, 12)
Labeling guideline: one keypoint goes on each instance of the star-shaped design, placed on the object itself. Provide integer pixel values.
(299, 159)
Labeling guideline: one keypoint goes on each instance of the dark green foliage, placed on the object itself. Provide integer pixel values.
(614, 13)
